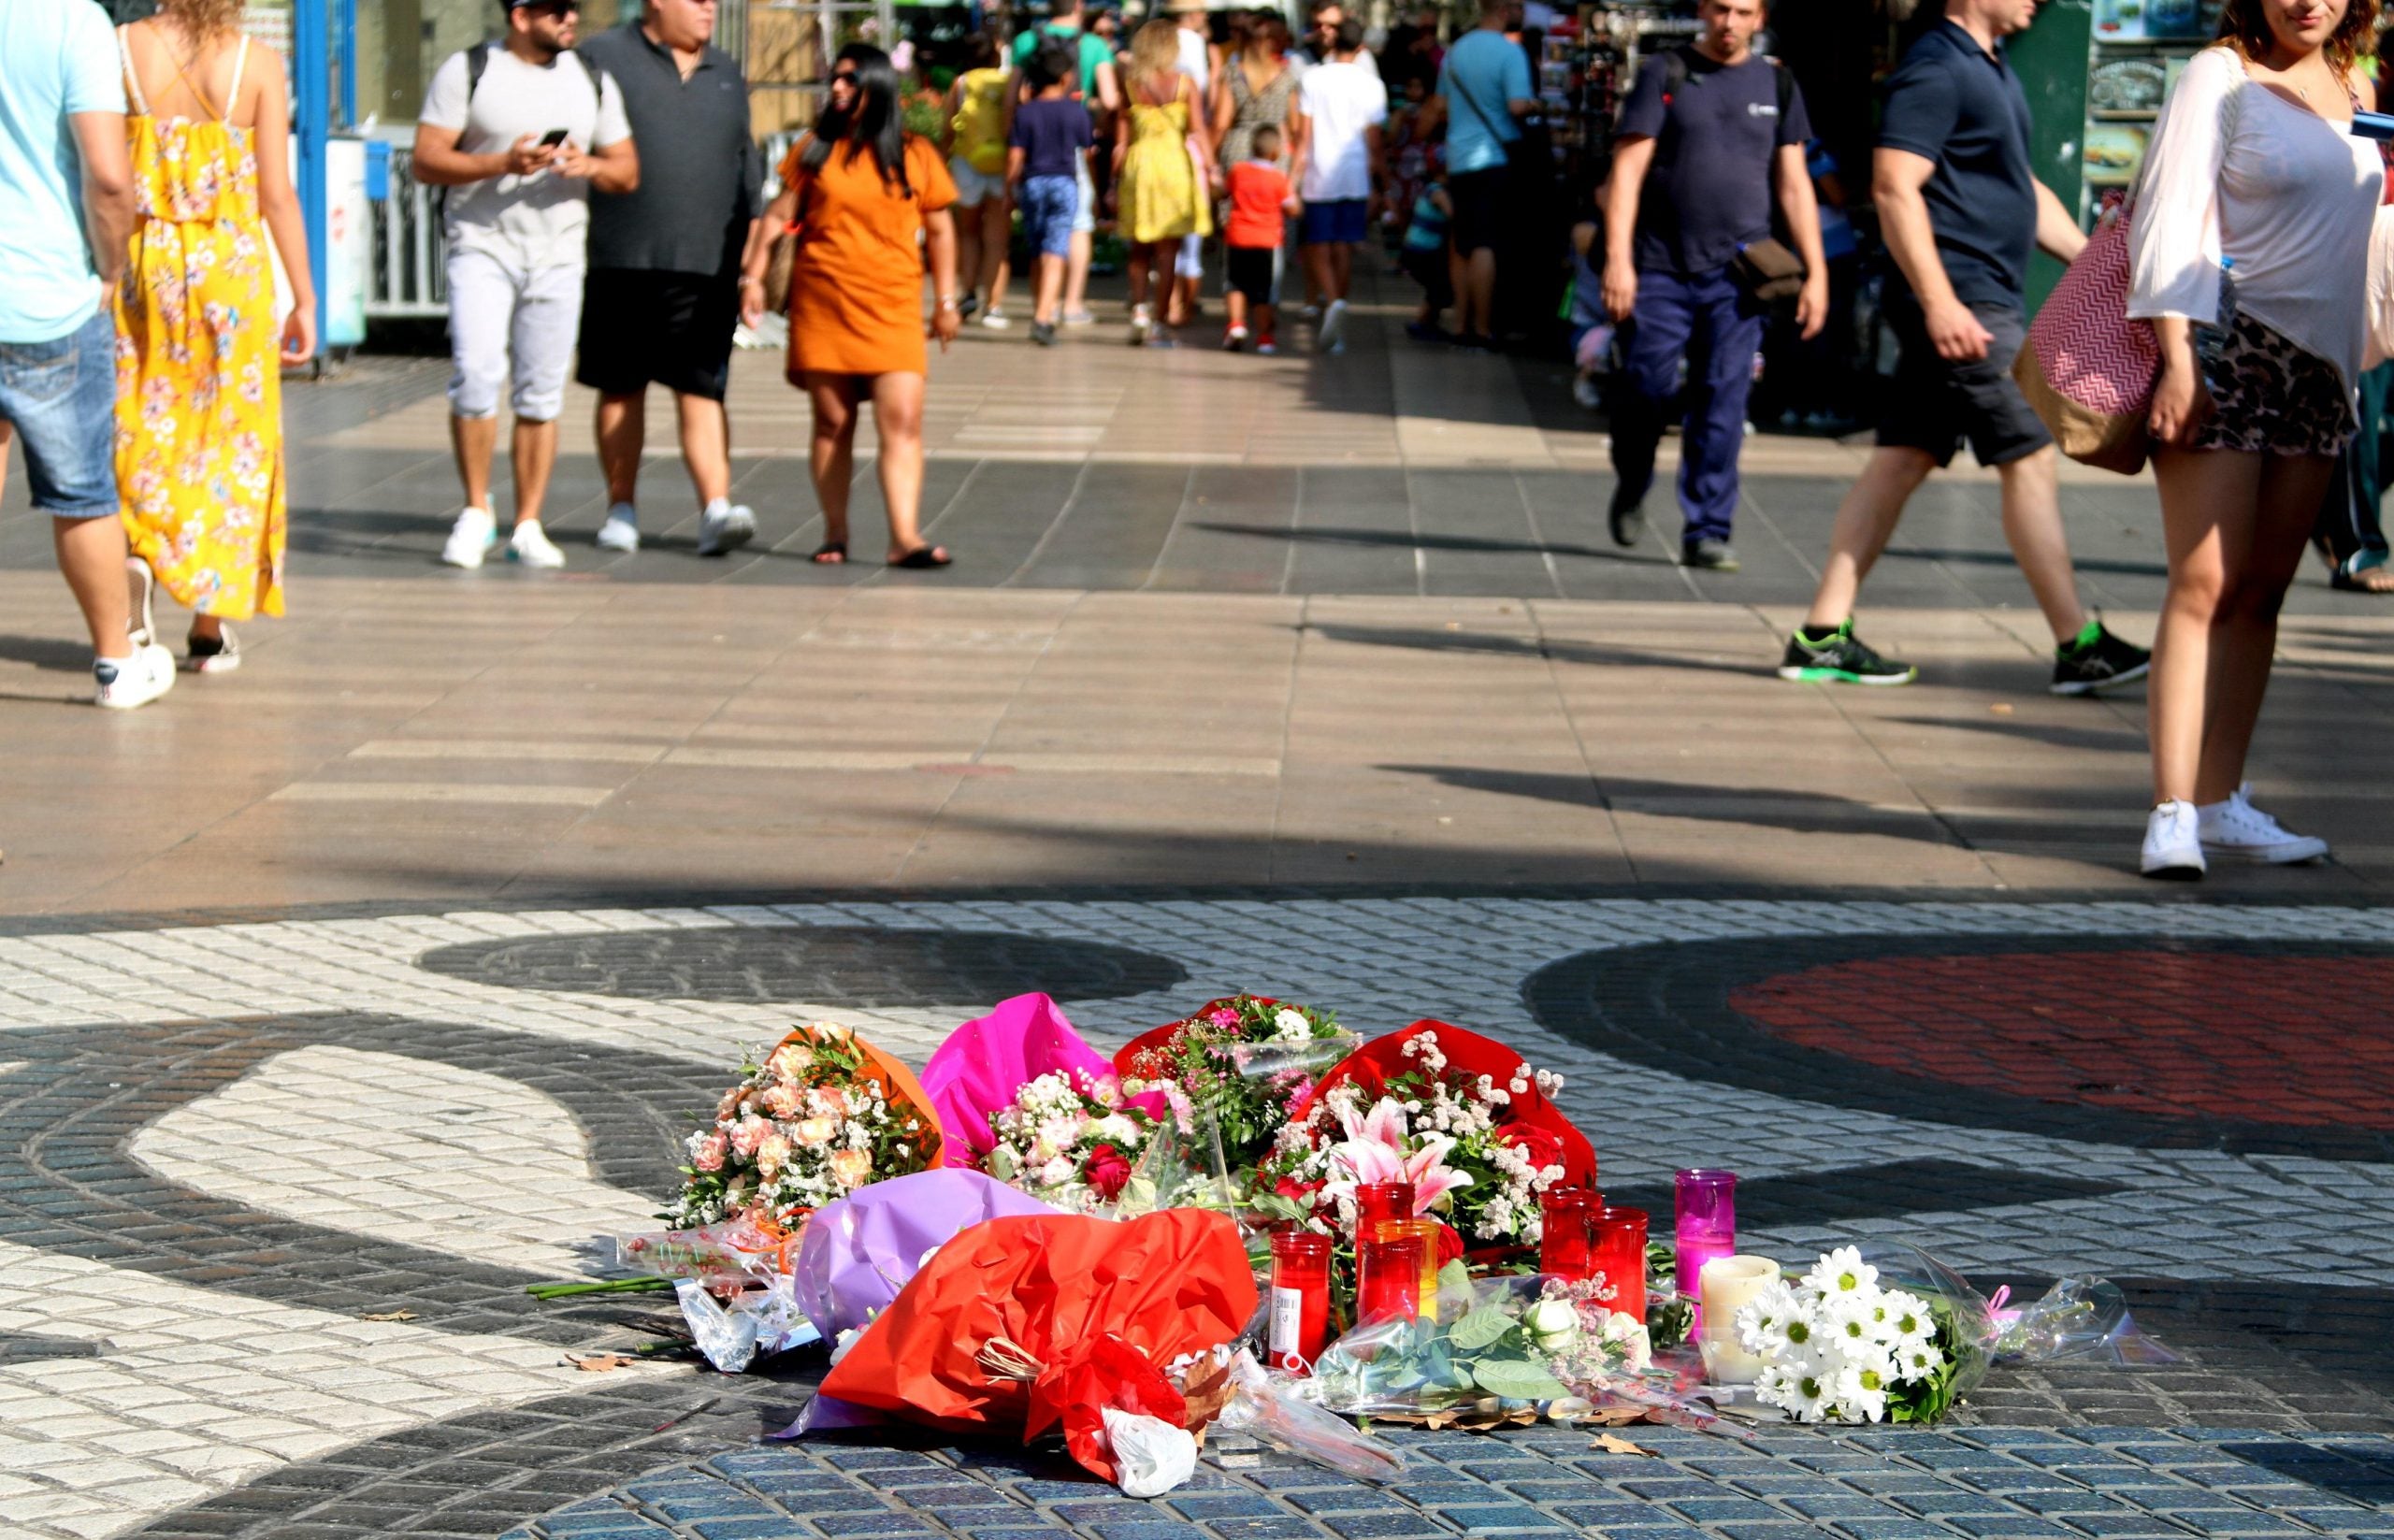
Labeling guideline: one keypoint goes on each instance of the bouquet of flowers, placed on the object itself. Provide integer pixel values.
(819, 1116)
(1500, 1348)
(1241, 1063)
(1459, 1116)
(1837, 1347)
(1068, 1138)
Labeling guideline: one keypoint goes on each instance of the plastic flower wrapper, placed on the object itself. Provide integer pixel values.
(1230, 1387)
(982, 1068)
(1177, 1169)
(736, 1254)
(823, 1114)
(1460, 1117)
(1501, 1346)
(2075, 1318)
(997, 1321)
(1241, 1063)
(736, 1330)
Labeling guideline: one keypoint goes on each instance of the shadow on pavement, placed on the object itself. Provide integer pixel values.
(2005, 558)
(1796, 812)
(2116, 739)
(1558, 649)
(50, 653)
(1336, 535)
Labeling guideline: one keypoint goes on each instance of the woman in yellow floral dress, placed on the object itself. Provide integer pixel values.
(1159, 181)
(200, 396)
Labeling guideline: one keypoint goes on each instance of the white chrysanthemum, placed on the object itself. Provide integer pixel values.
(1860, 1392)
(1841, 1272)
(1909, 1320)
(1762, 1321)
(1854, 1321)
(1918, 1362)
(1292, 1026)
(1797, 1387)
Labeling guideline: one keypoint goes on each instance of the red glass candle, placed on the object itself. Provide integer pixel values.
(1425, 1234)
(1620, 1256)
(1388, 1279)
(1566, 1232)
(1300, 1300)
(1376, 1201)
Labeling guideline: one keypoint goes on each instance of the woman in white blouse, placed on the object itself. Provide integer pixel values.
(2253, 167)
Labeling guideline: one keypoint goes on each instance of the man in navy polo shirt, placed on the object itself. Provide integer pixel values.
(1959, 208)
(1709, 132)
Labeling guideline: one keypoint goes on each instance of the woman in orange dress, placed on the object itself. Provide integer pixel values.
(866, 199)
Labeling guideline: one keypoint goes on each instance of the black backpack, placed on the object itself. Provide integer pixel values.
(478, 61)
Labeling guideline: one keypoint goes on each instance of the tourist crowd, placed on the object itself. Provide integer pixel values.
(606, 213)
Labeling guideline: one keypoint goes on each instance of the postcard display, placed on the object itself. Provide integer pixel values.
(2135, 54)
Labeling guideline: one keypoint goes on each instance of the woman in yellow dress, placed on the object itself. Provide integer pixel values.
(1160, 178)
(200, 396)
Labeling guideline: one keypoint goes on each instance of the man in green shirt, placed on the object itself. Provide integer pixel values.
(1099, 90)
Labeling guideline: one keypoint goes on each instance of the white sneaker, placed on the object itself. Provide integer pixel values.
(725, 526)
(2171, 847)
(220, 656)
(621, 532)
(2236, 830)
(530, 545)
(997, 321)
(1333, 328)
(471, 538)
(139, 585)
(125, 682)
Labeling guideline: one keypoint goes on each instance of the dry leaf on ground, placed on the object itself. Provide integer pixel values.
(599, 1363)
(1611, 1444)
(389, 1315)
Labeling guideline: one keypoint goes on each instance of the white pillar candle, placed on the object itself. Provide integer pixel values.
(1727, 1283)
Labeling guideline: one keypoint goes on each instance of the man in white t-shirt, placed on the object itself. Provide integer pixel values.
(519, 133)
(1339, 170)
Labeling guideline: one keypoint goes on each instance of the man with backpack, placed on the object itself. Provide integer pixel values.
(1711, 138)
(518, 132)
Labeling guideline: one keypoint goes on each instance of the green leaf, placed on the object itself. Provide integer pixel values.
(1481, 1329)
(1517, 1381)
(1454, 1276)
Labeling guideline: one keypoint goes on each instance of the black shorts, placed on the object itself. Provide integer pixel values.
(672, 329)
(1481, 218)
(1934, 404)
(1248, 272)
(1429, 269)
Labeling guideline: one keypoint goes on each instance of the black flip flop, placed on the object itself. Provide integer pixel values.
(923, 559)
(830, 554)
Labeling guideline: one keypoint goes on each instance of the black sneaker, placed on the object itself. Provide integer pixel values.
(1627, 517)
(1709, 553)
(1044, 333)
(966, 306)
(2099, 662)
(1840, 658)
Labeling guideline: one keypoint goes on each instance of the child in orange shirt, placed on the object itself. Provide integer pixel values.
(1261, 203)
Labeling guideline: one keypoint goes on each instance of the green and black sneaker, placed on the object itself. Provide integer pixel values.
(2098, 660)
(1838, 657)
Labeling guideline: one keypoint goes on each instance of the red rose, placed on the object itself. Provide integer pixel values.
(1108, 1171)
(1449, 1245)
(1289, 1187)
(1542, 1149)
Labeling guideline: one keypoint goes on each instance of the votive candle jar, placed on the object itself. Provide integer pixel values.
(1566, 1236)
(1377, 1202)
(1388, 1279)
(1707, 1228)
(1300, 1300)
(1728, 1285)
(1424, 1233)
(1620, 1256)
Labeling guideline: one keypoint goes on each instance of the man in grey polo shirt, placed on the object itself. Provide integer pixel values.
(519, 132)
(663, 295)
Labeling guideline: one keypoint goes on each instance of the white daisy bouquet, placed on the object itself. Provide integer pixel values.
(1068, 1138)
(1842, 1344)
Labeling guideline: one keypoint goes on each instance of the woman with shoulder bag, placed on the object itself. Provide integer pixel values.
(2249, 253)
(870, 201)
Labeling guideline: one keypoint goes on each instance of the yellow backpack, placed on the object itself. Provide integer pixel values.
(979, 126)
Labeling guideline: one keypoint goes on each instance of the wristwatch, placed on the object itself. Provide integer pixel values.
(947, 302)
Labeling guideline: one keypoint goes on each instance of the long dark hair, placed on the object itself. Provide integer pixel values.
(873, 121)
(2245, 27)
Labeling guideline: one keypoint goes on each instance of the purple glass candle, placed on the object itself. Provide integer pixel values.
(1708, 1227)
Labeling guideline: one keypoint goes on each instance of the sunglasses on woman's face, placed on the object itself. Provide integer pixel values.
(844, 78)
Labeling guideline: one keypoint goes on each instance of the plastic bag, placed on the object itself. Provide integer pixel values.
(1500, 1348)
(734, 1332)
(1276, 1413)
(1093, 1382)
(1150, 1456)
(2075, 1318)
(1238, 1064)
(735, 1254)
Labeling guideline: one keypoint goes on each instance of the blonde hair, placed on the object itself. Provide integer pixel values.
(202, 21)
(1155, 50)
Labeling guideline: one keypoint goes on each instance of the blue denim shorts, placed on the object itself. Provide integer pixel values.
(60, 396)
(1050, 205)
(1335, 221)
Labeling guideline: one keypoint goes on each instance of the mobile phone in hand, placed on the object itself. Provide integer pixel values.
(552, 138)
(2373, 125)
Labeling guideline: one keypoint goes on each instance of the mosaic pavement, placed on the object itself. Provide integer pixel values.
(227, 1147)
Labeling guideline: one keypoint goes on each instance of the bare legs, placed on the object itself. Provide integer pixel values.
(1049, 286)
(1330, 268)
(898, 419)
(706, 444)
(1150, 265)
(982, 233)
(1076, 274)
(2236, 526)
(2031, 525)
(1475, 281)
(90, 557)
(533, 452)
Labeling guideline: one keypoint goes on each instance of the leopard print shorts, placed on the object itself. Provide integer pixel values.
(2272, 397)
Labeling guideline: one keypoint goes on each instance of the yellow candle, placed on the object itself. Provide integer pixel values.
(1727, 1283)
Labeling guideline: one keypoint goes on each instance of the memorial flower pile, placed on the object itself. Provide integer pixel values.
(1068, 1138)
(1241, 1063)
(1451, 1125)
(1837, 1347)
(819, 1116)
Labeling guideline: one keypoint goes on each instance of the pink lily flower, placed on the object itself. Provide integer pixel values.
(1374, 1151)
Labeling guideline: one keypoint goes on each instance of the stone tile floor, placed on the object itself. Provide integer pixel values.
(225, 1147)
